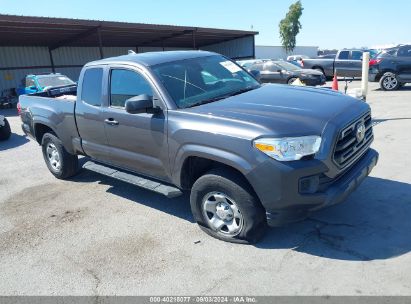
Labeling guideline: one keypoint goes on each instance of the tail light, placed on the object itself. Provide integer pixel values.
(374, 61)
(302, 63)
(18, 108)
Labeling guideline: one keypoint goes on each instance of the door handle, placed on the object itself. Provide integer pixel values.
(111, 121)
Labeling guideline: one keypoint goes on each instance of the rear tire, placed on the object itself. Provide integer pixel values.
(389, 82)
(225, 207)
(59, 162)
(5, 130)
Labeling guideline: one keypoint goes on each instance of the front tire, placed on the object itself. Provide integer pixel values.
(389, 82)
(5, 130)
(59, 162)
(225, 207)
(291, 80)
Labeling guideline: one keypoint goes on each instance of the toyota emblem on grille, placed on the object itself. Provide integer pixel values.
(360, 132)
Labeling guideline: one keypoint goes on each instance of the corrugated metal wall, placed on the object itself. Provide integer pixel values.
(16, 62)
(237, 48)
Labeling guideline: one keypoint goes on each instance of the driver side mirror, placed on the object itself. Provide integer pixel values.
(139, 104)
(256, 74)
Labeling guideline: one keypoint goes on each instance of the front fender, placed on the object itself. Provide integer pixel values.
(225, 157)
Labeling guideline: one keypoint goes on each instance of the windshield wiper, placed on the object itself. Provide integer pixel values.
(242, 91)
(223, 96)
(207, 101)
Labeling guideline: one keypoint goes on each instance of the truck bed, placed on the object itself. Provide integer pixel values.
(53, 109)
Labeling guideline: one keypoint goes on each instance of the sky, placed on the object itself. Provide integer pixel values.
(326, 24)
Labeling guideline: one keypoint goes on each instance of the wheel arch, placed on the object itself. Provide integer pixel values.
(317, 67)
(40, 128)
(387, 70)
(190, 165)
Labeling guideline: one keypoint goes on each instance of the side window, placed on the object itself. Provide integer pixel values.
(30, 82)
(257, 67)
(343, 55)
(356, 55)
(125, 84)
(92, 86)
(404, 51)
(272, 67)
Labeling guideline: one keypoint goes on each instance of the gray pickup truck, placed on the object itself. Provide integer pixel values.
(170, 122)
(347, 63)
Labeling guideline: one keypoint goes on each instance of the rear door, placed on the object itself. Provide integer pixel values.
(89, 114)
(137, 142)
(404, 63)
(342, 64)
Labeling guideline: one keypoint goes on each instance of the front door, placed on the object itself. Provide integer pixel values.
(273, 73)
(137, 142)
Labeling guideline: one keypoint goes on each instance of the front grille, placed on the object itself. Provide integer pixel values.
(348, 148)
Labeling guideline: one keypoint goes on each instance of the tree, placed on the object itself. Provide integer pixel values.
(290, 26)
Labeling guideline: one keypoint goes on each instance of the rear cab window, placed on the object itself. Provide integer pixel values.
(91, 90)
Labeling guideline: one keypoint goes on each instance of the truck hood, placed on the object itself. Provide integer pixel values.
(283, 110)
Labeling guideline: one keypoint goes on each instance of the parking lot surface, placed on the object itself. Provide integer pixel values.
(93, 235)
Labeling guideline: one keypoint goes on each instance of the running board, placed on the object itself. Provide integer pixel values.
(167, 190)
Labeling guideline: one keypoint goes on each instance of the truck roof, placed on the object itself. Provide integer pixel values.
(153, 58)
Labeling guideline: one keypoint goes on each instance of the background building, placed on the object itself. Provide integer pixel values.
(278, 52)
(30, 45)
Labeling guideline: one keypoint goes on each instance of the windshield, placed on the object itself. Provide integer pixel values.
(287, 66)
(200, 80)
(54, 81)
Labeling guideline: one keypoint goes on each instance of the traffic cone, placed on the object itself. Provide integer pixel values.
(335, 83)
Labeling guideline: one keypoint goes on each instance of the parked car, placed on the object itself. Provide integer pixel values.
(391, 68)
(249, 154)
(347, 63)
(285, 72)
(5, 130)
(247, 63)
(41, 82)
(8, 97)
(297, 59)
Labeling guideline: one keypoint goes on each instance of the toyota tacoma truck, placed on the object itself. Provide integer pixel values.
(250, 155)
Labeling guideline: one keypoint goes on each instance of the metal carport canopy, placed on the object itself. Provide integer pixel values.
(57, 32)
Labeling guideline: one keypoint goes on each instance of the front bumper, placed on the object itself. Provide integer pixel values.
(314, 81)
(281, 196)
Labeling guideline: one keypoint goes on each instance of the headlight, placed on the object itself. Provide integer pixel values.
(288, 148)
